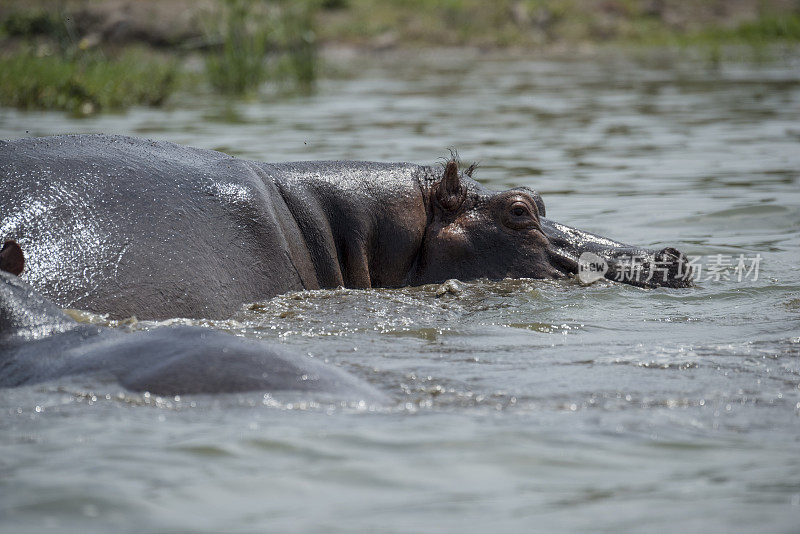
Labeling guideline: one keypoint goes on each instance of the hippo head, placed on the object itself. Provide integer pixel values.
(474, 232)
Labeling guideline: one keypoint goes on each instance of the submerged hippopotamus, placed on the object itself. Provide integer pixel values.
(127, 226)
(39, 343)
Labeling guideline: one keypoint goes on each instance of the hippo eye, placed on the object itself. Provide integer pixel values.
(520, 209)
(519, 216)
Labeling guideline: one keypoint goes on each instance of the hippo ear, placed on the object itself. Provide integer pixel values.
(449, 192)
(11, 258)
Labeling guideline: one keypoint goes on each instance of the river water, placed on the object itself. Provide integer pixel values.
(516, 405)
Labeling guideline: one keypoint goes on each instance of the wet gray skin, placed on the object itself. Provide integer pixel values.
(127, 226)
(39, 343)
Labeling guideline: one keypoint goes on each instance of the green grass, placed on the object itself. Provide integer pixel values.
(767, 29)
(239, 65)
(46, 64)
(32, 23)
(534, 23)
(85, 83)
(260, 43)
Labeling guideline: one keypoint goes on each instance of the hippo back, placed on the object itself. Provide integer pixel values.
(39, 343)
(130, 226)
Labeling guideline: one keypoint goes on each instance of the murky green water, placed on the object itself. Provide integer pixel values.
(520, 405)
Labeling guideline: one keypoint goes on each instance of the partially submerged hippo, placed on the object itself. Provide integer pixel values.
(127, 226)
(39, 343)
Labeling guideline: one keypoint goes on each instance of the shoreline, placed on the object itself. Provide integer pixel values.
(87, 57)
(532, 25)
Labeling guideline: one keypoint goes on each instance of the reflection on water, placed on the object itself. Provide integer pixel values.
(516, 403)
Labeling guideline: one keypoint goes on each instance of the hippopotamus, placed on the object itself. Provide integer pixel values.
(127, 226)
(39, 343)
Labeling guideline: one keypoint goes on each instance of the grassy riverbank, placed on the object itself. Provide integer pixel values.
(84, 58)
(538, 24)
(88, 56)
(88, 83)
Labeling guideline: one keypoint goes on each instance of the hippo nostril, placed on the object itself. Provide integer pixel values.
(679, 271)
(671, 253)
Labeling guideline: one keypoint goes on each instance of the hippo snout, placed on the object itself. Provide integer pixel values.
(679, 271)
(667, 267)
(576, 251)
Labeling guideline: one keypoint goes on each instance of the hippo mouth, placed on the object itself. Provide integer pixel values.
(592, 257)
